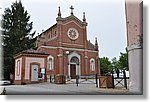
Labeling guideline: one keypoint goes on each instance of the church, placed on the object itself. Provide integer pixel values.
(62, 49)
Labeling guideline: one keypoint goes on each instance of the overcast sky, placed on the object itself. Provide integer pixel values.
(106, 20)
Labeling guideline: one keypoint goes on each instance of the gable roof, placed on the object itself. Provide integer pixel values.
(90, 46)
(46, 31)
(30, 51)
(50, 28)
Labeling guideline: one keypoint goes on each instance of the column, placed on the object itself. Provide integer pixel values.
(134, 21)
(135, 59)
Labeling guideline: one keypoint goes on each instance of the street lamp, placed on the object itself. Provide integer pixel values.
(64, 54)
(67, 53)
(97, 61)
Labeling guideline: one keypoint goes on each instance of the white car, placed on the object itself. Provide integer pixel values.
(4, 82)
(121, 74)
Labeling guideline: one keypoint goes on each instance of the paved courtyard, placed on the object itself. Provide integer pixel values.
(62, 89)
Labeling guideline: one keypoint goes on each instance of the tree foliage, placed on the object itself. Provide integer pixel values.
(114, 65)
(16, 34)
(123, 61)
(105, 65)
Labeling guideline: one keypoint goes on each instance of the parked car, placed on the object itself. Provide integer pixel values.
(4, 82)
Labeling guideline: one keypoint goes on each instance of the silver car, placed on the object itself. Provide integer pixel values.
(4, 82)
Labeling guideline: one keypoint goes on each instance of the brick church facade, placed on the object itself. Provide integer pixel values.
(61, 49)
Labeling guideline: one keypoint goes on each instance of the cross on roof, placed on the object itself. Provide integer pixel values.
(71, 9)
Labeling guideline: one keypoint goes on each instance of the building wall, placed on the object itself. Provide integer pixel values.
(18, 70)
(48, 37)
(24, 72)
(28, 61)
(61, 60)
(97, 67)
(66, 39)
(58, 46)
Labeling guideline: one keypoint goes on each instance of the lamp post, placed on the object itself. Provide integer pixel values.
(63, 76)
(67, 53)
(97, 59)
(98, 70)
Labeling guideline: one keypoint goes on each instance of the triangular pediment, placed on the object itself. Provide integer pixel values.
(73, 18)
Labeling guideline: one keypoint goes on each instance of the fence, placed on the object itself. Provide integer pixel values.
(87, 79)
(79, 79)
(120, 80)
(115, 81)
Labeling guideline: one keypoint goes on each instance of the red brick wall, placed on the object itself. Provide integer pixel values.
(65, 37)
(58, 63)
(63, 41)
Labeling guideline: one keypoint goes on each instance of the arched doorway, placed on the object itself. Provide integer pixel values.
(73, 65)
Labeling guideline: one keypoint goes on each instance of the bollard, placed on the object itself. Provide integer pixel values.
(96, 77)
(125, 79)
(54, 78)
(50, 79)
(62, 78)
(77, 79)
(113, 80)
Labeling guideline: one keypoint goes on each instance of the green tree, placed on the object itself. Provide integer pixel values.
(16, 34)
(115, 64)
(105, 65)
(123, 61)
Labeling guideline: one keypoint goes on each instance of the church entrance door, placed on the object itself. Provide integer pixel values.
(73, 65)
(73, 71)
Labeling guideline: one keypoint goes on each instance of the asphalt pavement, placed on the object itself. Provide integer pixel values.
(61, 89)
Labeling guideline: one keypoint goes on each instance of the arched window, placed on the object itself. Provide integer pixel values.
(55, 34)
(92, 64)
(50, 63)
(74, 60)
(18, 67)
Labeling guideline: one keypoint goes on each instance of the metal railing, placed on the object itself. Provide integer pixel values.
(84, 79)
(120, 80)
(94, 79)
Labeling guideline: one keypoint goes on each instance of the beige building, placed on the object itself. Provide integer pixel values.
(29, 66)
